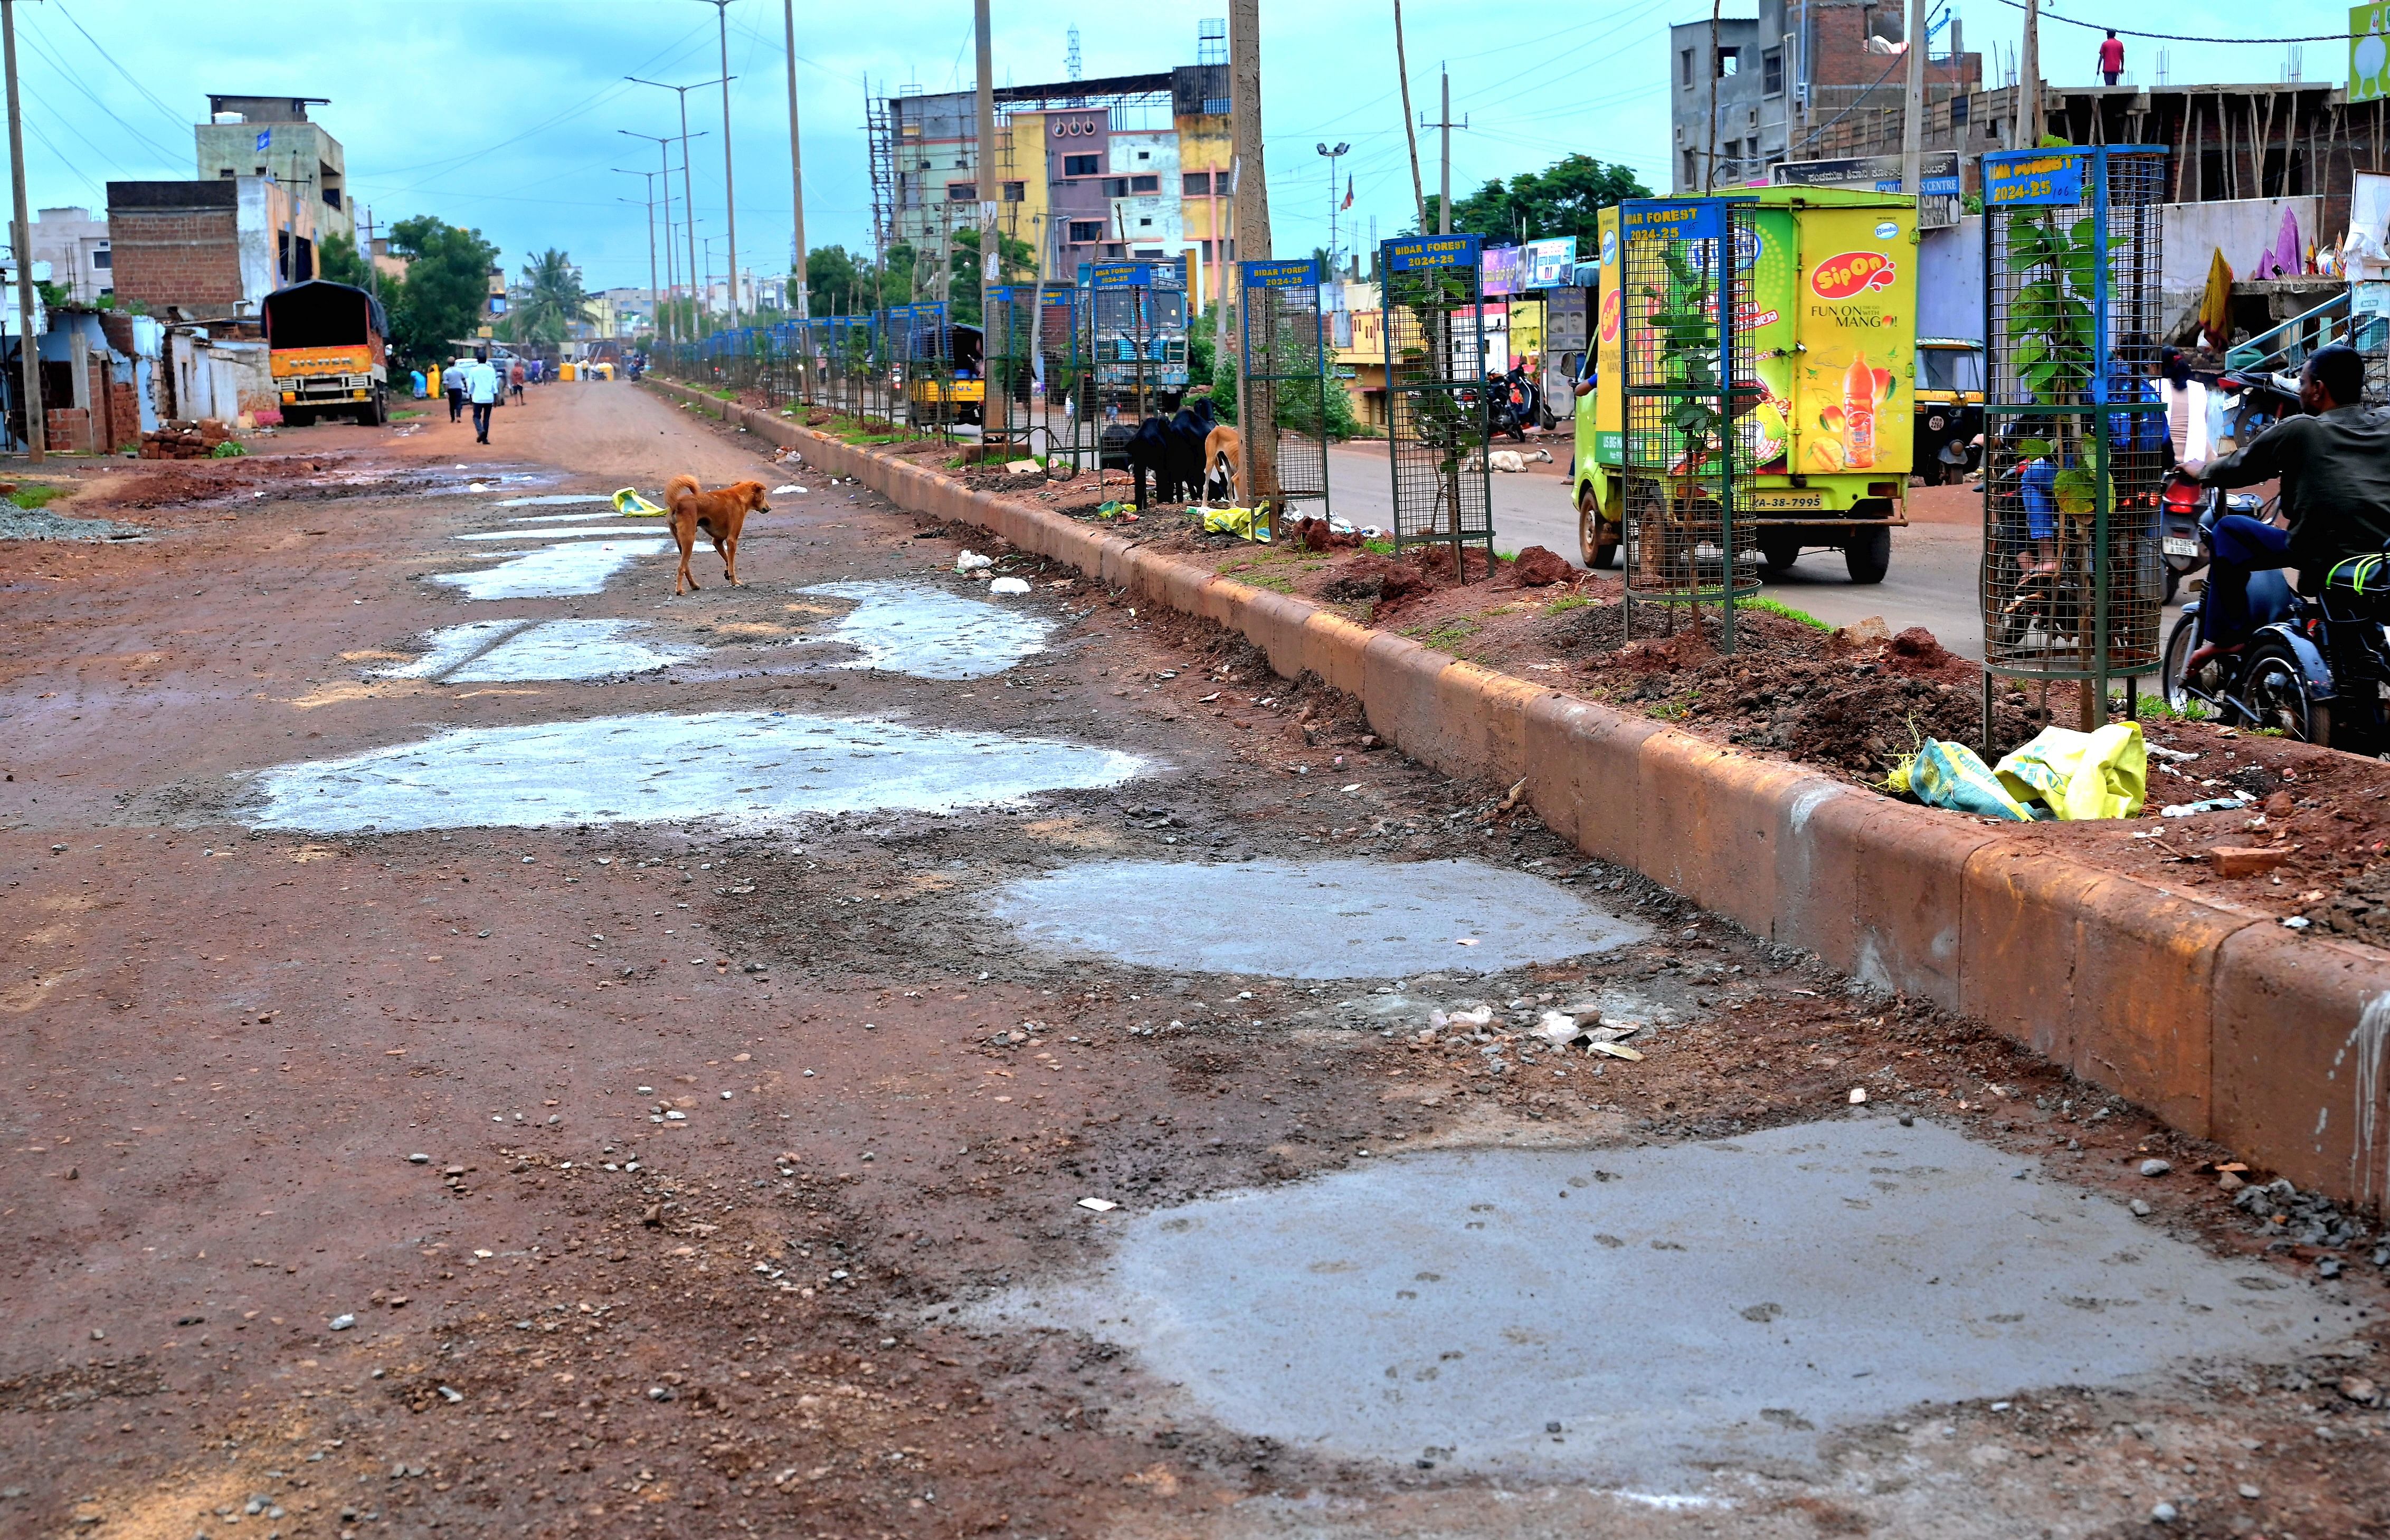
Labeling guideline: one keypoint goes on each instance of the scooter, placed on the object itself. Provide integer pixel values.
(2186, 511)
(1501, 416)
(2315, 669)
(1527, 402)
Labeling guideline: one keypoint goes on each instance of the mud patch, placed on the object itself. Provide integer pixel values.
(553, 572)
(912, 628)
(757, 769)
(1309, 920)
(1644, 1315)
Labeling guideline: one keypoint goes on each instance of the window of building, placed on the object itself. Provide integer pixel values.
(1195, 184)
(1771, 71)
(1085, 230)
(1684, 67)
(1083, 165)
(962, 192)
(1115, 187)
(1215, 107)
(103, 259)
(228, 171)
(1728, 61)
(332, 196)
(1144, 225)
(1016, 192)
(1145, 184)
(1693, 176)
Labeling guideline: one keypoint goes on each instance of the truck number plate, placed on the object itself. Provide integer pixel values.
(2176, 544)
(1793, 500)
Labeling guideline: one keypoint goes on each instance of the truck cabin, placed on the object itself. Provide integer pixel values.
(321, 313)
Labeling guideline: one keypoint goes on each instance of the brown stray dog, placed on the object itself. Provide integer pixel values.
(1223, 447)
(719, 513)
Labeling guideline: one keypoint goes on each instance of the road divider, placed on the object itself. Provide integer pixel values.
(2215, 1017)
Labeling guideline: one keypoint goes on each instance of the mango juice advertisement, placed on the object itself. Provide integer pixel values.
(1857, 298)
(1609, 402)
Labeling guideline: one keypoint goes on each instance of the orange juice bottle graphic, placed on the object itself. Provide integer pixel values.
(1858, 414)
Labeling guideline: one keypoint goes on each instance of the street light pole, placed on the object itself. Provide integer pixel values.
(687, 198)
(729, 188)
(671, 274)
(652, 297)
(804, 296)
(1334, 156)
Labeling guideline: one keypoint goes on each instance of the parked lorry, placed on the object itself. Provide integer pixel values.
(1832, 322)
(327, 349)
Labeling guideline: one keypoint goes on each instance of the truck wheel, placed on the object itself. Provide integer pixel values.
(298, 416)
(1867, 554)
(1597, 540)
(1778, 551)
(376, 411)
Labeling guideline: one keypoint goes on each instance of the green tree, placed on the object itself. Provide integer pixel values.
(1562, 200)
(553, 298)
(446, 290)
(1016, 258)
(336, 261)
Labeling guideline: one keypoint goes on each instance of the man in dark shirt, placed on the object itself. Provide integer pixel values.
(2335, 465)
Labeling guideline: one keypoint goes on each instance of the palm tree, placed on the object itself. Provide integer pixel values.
(553, 297)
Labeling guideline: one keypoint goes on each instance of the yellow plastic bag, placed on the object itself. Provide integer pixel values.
(2101, 775)
(1249, 523)
(1953, 775)
(630, 505)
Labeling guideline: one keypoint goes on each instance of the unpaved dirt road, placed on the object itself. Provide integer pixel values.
(580, 1062)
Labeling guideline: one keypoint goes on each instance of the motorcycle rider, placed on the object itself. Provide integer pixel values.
(2334, 467)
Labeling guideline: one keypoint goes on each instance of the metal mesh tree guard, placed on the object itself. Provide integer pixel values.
(1010, 333)
(1436, 404)
(1687, 457)
(1137, 339)
(1286, 373)
(929, 368)
(2077, 448)
(1063, 367)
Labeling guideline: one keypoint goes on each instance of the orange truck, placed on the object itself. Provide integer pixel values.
(327, 347)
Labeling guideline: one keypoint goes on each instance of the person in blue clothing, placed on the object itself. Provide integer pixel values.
(482, 385)
(416, 382)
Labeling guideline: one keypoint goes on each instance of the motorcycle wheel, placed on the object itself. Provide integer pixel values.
(2275, 687)
(2180, 644)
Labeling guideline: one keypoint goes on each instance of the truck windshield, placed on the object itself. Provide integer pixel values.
(1949, 369)
(317, 315)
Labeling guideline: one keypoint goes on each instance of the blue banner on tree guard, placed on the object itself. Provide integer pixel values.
(1123, 275)
(1401, 256)
(1292, 273)
(1679, 218)
(1003, 294)
(2030, 176)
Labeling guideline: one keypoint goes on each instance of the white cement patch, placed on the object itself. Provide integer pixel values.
(926, 632)
(575, 532)
(497, 651)
(554, 572)
(753, 768)
(548, 498)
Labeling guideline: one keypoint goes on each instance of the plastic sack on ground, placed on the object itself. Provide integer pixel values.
(1953, 775)
(630, 505)
(2100, 774)
(1245, 523)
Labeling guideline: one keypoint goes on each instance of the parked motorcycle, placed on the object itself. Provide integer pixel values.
(1501, 414)
(2186, 512)
(1527, 403)
(2315, 669)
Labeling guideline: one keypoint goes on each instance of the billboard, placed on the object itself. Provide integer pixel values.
(1550, 263)
(1936, 210)
(2368, 54)
(1502, 269)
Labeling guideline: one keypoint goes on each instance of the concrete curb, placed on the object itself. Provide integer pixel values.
(2215, 1017)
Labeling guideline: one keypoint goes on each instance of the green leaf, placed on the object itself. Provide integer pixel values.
(2034, 449)
(2032, 351)
(2075, 491)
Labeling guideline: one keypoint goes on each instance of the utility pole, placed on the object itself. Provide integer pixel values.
(1410, 130)
(1444, 196)
(729, 187)
(984, 183)
(1260, 482)
(1912, 113)
(1709, 156)
(652, 298)
(687, 198)
(28, 354)
(372, 273)
(2029, 76)
(804, 297)
(665, 327)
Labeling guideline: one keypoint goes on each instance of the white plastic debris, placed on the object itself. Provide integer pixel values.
(792, 490)
(1100, 1205)
(1008, 585)
(342, 1323)
(1859, 1095)
(2214, 804)
(971, 561)
(1022, 468)
(1555, 1029)
(475, 486)
(1478, 1017)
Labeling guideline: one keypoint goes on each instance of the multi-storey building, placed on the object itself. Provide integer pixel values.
(272, 137)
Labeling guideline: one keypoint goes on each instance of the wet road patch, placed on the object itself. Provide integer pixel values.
(553, 572)
(552, 498)
(497, 651)
(929, 633)
(573, 531)
(1648, 1314)
(1308, 920)
(753, 768)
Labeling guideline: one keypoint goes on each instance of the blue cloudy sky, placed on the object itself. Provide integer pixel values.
(502, 114)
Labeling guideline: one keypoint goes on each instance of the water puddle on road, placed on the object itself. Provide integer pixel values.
(741, 767)
(575, 532)
(554, 572)
(1308, 920)
(912, 628)
(497, 651)
(554, 498)
(1672, 1308)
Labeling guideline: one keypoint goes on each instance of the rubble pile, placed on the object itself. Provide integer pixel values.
(184, 440)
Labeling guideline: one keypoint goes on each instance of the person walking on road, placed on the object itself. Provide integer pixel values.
(481, 384)
(515, 381)
(453, 376)
(2112, 57)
